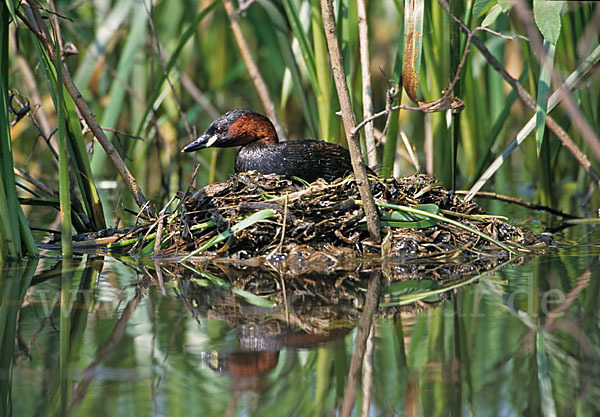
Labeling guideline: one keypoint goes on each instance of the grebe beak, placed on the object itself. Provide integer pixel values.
(204, 141)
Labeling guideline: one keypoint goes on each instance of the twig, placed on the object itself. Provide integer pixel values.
(121, 133)
(43, 187)
(349, 121)
(40, 31)
(528, 100)
(259, 82)
(518, 201)
(365, 62)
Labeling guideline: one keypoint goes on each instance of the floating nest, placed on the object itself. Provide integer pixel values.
(324, 222)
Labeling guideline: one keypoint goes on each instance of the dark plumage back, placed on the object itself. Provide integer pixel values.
(306, 159)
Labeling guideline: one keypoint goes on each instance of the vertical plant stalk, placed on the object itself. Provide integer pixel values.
(38, 28)
(365, 70)
(360, 171)
(66, 234)
(257, 78)
(455, 57)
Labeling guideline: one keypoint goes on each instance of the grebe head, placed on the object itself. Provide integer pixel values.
(235, 128)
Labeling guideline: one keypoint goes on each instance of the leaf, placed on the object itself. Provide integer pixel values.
(410, 220)
(481, 7)
(492, 16)
(547, 18)
(542, 95)
(11, 9)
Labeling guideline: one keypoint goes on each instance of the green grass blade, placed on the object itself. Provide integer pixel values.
(389, 149)
(497, 126)
(10, 4)
(76, 146)
(455, 58)
(573, 80)
(293, 15)
(411, 221)
(542, 95)
(66, 236)
(325, 86)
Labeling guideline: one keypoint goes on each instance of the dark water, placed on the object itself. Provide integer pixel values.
(523, 340)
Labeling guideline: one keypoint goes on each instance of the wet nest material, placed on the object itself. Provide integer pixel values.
(320, 223)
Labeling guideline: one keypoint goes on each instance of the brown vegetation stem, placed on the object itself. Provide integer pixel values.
(39, 30)
(528, 100)
(579, 121)
(259, 82)
(360, 171)
(365, 70)
(360, 342)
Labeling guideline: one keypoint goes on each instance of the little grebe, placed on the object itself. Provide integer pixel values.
(261, 150)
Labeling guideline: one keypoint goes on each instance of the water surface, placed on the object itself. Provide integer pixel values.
(110, 337)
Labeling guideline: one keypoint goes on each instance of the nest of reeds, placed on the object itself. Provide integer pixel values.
(254, 215)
